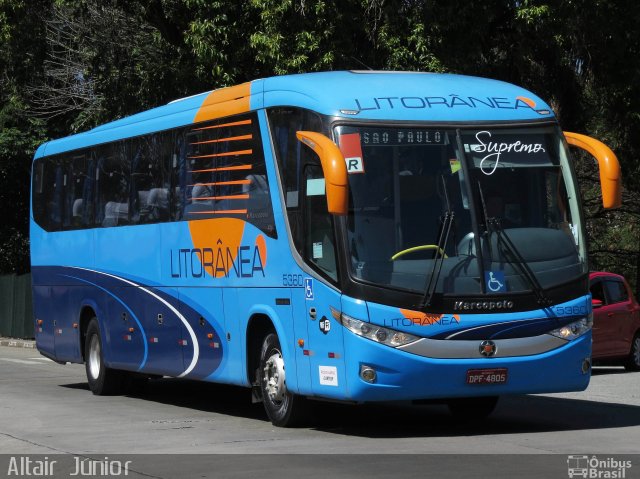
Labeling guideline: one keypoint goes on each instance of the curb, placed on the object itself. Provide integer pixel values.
(18, 343)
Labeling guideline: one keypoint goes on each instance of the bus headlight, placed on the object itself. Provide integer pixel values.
(574, 330)
(379, 334)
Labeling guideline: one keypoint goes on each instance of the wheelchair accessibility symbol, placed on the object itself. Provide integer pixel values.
(308, 288)
(495, 281)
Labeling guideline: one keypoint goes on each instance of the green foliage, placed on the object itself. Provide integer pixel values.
(294, 37)
(218, 37)
(19, 137)
(20, 134)
(66, 65)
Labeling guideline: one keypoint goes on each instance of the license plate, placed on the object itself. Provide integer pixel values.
(487, 376)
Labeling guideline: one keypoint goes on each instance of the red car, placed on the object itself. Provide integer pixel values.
(616, 321)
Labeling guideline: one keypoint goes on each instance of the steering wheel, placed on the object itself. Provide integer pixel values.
(418, 248)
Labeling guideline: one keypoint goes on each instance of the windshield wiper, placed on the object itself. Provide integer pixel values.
(493, 225)
(438, 260)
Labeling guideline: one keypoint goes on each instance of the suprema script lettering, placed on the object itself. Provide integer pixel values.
(495, 149)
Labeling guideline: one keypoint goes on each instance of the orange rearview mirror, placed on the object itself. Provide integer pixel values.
(610, 175)
(333, 167)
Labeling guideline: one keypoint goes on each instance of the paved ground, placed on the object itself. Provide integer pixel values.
(46, 408)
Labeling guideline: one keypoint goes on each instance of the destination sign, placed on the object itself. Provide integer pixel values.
(401, 137)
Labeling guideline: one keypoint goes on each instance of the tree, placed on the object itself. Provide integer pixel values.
(69, 65)
(21, 53)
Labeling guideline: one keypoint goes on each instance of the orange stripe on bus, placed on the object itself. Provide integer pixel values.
(228, 153)
(234, 123)
(219, 212)
(231, 138)
(225, 168)
(225, 102)
(231, 197)
(237, 182)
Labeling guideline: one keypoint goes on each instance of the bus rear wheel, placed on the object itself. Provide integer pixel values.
(472, 409)
(103, 381)
(283, 408)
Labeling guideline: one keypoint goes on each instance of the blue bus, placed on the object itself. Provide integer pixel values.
(347, 236)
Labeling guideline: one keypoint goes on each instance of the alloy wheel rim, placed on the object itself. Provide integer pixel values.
(274, 378)
(94, 357)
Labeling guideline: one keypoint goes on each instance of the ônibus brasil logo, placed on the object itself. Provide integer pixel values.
(595, 468)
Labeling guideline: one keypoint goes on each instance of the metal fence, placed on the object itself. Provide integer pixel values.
(16, 308)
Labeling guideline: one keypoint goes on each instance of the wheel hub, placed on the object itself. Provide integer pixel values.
(274, 377)
(94, 357)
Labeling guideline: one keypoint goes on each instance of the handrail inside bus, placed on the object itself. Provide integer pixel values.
(333, 167)
(610, 175)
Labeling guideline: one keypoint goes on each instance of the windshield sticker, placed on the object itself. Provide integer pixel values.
(315, 187)
(352, 151)
(495, 281)
(490, 162)
(354, 165)
(317, 250)
(455, 166)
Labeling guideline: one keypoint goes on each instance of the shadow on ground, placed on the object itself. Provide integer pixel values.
(513, 415)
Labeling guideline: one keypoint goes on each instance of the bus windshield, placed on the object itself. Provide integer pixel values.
(474, 211)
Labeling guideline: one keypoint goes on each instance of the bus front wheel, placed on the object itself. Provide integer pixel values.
(103, 381)
(283, 408)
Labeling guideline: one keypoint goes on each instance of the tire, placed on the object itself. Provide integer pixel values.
(283, 408)
(103, 381)
(473, 409)
(633, 360)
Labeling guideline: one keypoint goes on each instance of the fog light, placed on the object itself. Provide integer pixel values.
(586, 365)
(367, 373)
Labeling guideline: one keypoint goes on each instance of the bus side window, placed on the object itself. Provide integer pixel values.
(180, 176)
(223, 173)
(292, 156)
(140, 180)
(48, 198)
(89, 192)
(197, 172)
(113, 185)
(319, 238)
(256, 187)
(149, 198)
(78, 189)
(39, 205)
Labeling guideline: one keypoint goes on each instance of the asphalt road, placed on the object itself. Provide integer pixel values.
(47, 409)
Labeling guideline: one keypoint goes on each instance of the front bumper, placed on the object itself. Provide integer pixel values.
(401, 375)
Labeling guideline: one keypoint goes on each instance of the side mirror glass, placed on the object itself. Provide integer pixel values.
(334, 169)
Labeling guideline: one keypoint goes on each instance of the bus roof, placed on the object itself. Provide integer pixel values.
(363, 95)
